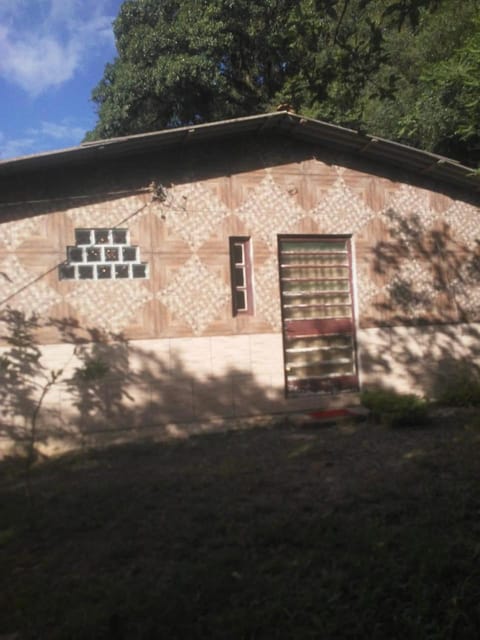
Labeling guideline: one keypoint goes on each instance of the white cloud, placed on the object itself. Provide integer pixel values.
(48, 136)
(38, 63)
(43, 50)
(64, 131)
(14, 148)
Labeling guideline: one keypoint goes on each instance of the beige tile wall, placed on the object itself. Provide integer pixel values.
(181, 386)
(419, 360)
(186, 382)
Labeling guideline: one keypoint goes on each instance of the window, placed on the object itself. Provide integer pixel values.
(102, 254)
(241, 275)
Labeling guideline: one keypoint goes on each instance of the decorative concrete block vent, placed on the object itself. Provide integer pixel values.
(102, 254)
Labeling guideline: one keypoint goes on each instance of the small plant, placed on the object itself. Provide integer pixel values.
(473, 424)
(395, 409)
(462, 389)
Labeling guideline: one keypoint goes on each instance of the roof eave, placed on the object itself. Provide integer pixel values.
(300, 127)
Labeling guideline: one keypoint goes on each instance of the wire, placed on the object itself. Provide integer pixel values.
(78, 197)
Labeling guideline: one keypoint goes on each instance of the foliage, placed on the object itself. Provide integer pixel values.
(461, 388)
(425, 92)
(473, 423)
(405, 69)
(395, 409)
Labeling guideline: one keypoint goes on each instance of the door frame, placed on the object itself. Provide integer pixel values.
(350, 252)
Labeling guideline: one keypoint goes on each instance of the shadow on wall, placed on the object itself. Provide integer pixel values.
(423, 325)
(110, 386)
(426, 321)
(430, 273)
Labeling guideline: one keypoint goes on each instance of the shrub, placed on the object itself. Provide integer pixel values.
(461, 389)
(473, 424)
(395, 409)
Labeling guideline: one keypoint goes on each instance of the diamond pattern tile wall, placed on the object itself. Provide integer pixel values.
(12, 234)
(268, 211)
(107, 214)
(408, 200)
(193, 212)
(465, 289)
(22, 291)
(341, 210)
(108, 305)
(409, 212)
(267, 289)
(195, 295)
(366, 289)
(411, 290)
(464, 219)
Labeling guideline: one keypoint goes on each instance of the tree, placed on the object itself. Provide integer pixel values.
(387, 66)
(187, 61)
(166, 72)
(183, 62)
(426, 91)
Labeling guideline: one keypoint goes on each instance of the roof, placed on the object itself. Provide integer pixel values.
(296, 126)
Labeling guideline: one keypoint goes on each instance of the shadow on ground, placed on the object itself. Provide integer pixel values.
(347, 532)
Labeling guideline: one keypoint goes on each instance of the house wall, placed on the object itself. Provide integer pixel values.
(416, 266)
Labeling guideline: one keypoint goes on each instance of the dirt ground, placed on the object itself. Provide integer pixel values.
(326, 531)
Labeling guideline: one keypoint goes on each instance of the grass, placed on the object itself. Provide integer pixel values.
(328, 533)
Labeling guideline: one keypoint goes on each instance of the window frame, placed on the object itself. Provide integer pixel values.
(318, 328)
(245, 267)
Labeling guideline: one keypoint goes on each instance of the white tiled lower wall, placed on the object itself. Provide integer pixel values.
(183, 385)
(416, 359)
(177, 385)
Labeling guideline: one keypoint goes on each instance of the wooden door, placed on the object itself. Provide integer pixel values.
(317, 313)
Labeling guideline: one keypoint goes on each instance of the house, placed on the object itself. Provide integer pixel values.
(258, 266)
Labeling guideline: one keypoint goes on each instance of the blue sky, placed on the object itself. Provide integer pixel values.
(52, 54)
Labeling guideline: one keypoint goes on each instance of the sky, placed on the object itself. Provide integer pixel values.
(52, 54)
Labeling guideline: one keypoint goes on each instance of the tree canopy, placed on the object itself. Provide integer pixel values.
(403, 69)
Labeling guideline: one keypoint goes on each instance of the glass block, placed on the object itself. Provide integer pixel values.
(122, 270)
(119, 236)
(85, 272)
(104, 271)
(111, 254)
(66, 272)
(102, 236)
(129, 254)
(139, 270)
(94, 254)
(83, 236)
(75, 254)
